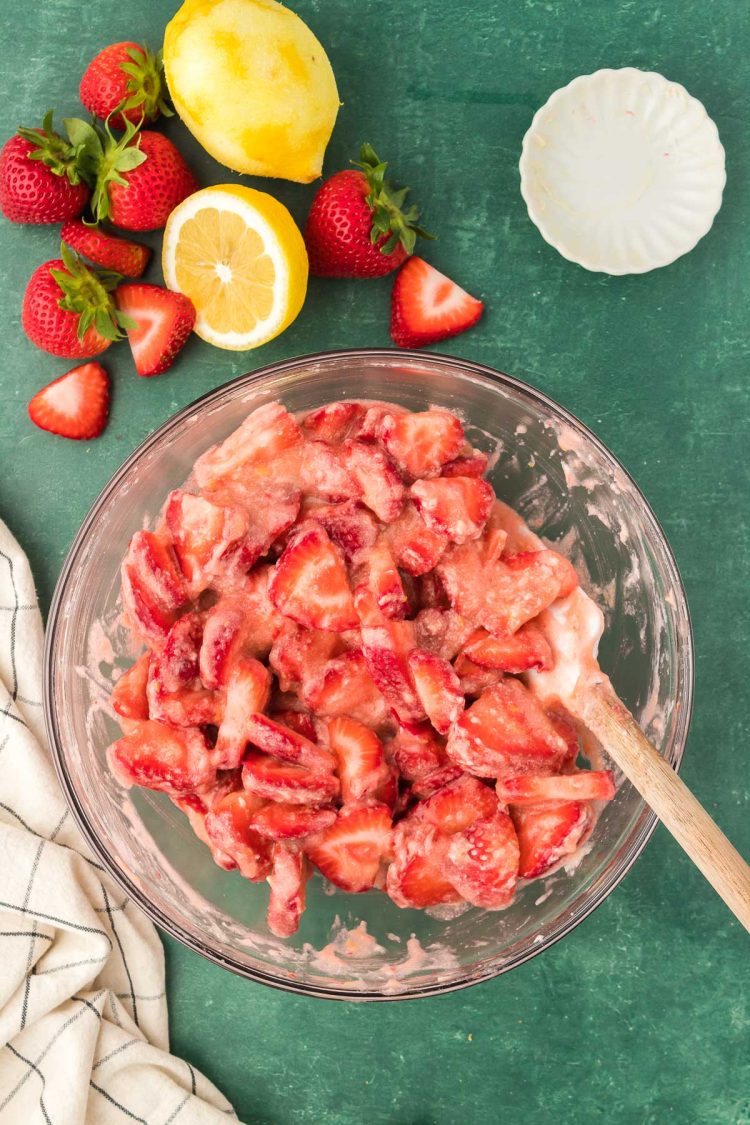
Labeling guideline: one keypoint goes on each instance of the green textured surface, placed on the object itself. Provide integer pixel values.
(641, 1014)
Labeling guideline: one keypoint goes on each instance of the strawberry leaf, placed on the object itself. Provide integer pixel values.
(61, 156)
(390, 222)
(88, 294)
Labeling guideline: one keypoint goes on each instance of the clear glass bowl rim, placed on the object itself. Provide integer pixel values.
(648, 819)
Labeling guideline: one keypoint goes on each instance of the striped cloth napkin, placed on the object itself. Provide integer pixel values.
(83, 1012)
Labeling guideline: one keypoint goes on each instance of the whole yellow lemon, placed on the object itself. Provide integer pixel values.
(253, 85)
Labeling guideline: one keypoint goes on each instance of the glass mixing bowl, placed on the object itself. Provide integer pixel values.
(572, 491)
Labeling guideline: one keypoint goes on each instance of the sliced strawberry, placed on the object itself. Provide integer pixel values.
(548, 834)
(104, 249)
(188, 706)
(455, 806)
(335, 422)
(163, 322)
(457, 507)
(415, 547)
(286, 744)
(422, 443)
(203, 534)
(300, 721)
(128, 697)
(152, 586)
(351, 526)
(349, 853)
(178, 660)
(345, 687)
(426, 306)
(504, 732)
(566, 728)
(360, 759)
(584, 785)
(442, 632)
(523, 585)
(288, 881)
(248, 691)
(415, 877)
(324, 474)
(290, 822)
(524, 649)
(386, 646)
(223, 637)
(482, 861)
(74, 406)
(437, 687)
(229, 826)
(384, 581)
(474, 679)
(281, 781)
(472, 464)
(298, 655)
(266, 433)
(417, 751)
(310, 584)
(159, 757)
(380, 485)
(426, 786)
(196, 810)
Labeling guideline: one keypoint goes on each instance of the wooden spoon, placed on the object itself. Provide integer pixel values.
(608, 719)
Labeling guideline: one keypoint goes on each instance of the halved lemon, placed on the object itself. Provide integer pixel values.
(239, 256)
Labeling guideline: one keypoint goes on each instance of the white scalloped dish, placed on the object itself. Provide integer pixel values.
(622, 171)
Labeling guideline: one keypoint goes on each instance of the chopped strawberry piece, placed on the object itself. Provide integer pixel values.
(457, 507)
(415, 547)
(371, 427)
(351, 526)
(350, 852)
(417, 751)
(415, 877)
(152, 586)
(521, 586)
(359, 755)
(384, 581)
(189, 706)
(178, 661)
(223, 636)
(203, 534)
(163, 322)
(426, 786)
(248, 691)
(283, 781)
(263, 436)
(482, 861)
(159, 757)
(284, 743)
(345, 687)
(76, 405)
(380, 485)
(426, 306)
(128, 697)
(262, 620)
(271, 507)
(288, 880)
(323, 473)
(334, 422)
(474, 679)
(584, 785)
(310, 584)
(298, 655)
(566, 728)
(548, 834)
(386, 646)
(437, 687)
(421, 444)
(462, 572)
(524, 649)
(455, 806)
(290, 822)
(472, 464)
(441, 632)
(430, 592)
(505, 731)
(229, 825)
(300, 721)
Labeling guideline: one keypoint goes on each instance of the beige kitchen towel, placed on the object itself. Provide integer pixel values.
(83, 1011)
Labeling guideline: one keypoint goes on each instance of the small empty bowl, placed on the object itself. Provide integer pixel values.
(622, 171)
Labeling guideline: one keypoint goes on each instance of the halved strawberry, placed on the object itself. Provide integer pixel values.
(248, 691)
(414, 546)
(345, 687)
(104, 249)
(455, 806)
(457, 507)
(74, 406)
(350, 852)
(265, 434)
(286, 744)
(380, 485)
(548, 833)
(426, 306)
(159, 757)
(386, 645)
(473, 464)
(384, 581)
(301, 721)
(422, 443)
(282, 781)
(351, 526)
(482, 861)
(584, 785)
(524, 649)
(521, 586)
(443, 632)
(288, 880)
(229, 826)
(437, 687)
(128, 697)
(334, 422)
(203, 535)
(504, 732)
(323, 473)
(152, 586)
(416, 877)
(417, 751)
(298, 655)
(163, 322)
(310, 584)
(360, 759)
(290, 822)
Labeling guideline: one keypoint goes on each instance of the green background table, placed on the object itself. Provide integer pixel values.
(640, 1015)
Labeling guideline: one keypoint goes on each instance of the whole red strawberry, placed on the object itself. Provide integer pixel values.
(356, 227)
(68, 310)
(125, 77)
(41, 178)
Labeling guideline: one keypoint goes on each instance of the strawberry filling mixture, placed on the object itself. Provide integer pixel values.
(336, 619)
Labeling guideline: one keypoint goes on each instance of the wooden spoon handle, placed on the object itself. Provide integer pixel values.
(609, 720)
